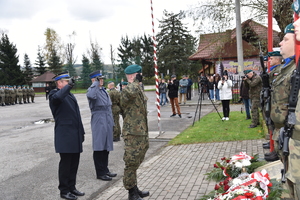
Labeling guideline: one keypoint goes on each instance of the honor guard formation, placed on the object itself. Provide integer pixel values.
(12, 95)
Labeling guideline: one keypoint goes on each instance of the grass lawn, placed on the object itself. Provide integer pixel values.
(211, 128)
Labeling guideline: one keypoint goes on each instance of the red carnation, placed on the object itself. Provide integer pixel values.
(217, 187)
(216, 166)
(227, 161)
(248, 195)
(223, 158)
(222, 168)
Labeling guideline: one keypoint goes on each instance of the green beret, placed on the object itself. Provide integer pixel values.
(131, 69)
(247, 71)
(296, 7)
(124, 83)
(110, 82)
(274, 53)
(289, 29)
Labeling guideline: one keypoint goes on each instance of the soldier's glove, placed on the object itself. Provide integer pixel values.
(139, 77)
(72, 81)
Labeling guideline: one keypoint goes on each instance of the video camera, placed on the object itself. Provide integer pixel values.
(203, 80)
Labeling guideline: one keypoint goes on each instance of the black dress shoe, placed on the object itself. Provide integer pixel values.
(104, 178)
(69, 196)
(266, 143)
(173, 115)
(179, 116)
(77, 193)
(111, 174)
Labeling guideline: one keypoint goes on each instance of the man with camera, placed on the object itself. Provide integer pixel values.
(254, 83)
(68, 134)
(102, 123)
(135, 130)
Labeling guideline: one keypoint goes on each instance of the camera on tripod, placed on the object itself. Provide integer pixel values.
(203, 80)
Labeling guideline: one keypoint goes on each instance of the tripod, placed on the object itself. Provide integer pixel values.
(201, 96)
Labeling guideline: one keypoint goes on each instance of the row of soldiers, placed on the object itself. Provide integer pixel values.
(11, 95)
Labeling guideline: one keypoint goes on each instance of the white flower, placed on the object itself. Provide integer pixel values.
(236, 181)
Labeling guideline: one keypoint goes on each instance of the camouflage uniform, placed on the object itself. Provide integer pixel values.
(19, 94)
(280, 84)
(255, 85)
(2, 96)
(13, 95)
(24, 90)
(7, 94)
(135, 131)
(31, 94)
(27, 94)
(115, 99)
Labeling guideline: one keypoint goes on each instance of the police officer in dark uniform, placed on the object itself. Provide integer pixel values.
(68, 134)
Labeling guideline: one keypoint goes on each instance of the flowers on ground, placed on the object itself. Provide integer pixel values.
(235, 183)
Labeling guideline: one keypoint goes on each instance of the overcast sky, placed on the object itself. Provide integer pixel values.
(104, 21)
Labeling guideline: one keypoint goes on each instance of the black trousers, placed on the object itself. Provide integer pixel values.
(101, 162)
(226, 109)
(189, 93)
(67, 171)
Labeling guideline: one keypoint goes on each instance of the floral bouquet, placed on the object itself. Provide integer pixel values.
(235, 183)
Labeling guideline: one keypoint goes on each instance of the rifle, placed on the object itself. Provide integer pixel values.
(287, 131)
(265, 95)
(120, 86)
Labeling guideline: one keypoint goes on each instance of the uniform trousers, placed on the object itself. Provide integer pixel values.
(254, 110)
(67, 171)
(174, 103)
(101, 162)
(135, 148)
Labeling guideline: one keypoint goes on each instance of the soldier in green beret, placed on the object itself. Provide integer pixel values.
(6, 90)
(24, 91)
(135, 130)
(275, 59)
(31, 94)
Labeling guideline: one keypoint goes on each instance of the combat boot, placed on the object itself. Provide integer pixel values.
(133, 194)
(143, 193)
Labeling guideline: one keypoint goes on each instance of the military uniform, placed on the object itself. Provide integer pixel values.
(24, 90)
(115, 99)
(255, 85)
(31, 94)
(2, 96)
(19, 94)
(27, 94)
(13, 96)
(280, 97)
(7, 94)
(135, 132)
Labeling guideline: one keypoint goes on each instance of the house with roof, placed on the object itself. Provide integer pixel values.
(218, 51)
(40, 82)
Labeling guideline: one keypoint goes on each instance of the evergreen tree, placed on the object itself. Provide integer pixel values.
(147, 56)
(174, 45)
(95, 57)
(40, 62)
(54, 63)
(125, 54)
(10, 72)
(28, 74)
(86, 70)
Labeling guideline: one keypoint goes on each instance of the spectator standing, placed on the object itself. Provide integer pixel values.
(183, 83)
(217, 79)
(244, 95)
(225, 86)
(173, 95)
(163, 92)
(254, 82)
(189, 88)
(211, 87)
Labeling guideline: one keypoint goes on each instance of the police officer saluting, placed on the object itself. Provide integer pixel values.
(68, 134)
